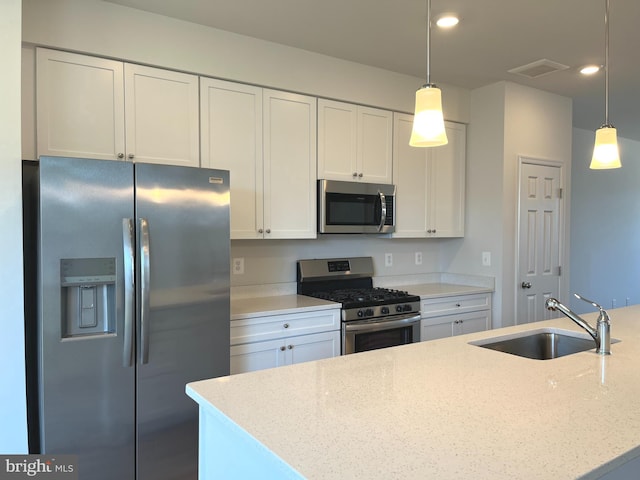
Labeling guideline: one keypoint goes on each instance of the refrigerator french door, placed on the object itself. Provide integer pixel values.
(131, 285)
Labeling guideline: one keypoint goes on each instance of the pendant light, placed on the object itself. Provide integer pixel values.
(605, 151)
(428, 121)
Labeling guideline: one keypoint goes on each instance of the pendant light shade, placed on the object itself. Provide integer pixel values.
(605, 151)
(428, 120)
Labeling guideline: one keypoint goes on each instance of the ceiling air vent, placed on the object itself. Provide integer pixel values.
(538, 68)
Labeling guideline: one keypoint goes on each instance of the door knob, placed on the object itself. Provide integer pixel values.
(526, 284)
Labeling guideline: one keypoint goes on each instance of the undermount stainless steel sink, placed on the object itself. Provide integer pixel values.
(540, 344)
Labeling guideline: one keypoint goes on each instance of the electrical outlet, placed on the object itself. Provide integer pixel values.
(418, 258)
(238, 266)
(486, 259)
(388, 259)
(614, 303)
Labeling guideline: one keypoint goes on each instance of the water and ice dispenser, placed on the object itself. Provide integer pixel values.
(88, 296)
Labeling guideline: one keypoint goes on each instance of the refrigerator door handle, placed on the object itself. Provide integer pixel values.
(144, 290)
(128, 256)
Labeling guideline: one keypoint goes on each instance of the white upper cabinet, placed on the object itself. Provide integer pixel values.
(289, 165)
(80, 105)
(231, 139)
(161, 116)
(354, 142)
(429, 183)
(267, 140)
(96, 108)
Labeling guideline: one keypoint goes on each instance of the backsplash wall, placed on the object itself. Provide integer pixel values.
(274, 261)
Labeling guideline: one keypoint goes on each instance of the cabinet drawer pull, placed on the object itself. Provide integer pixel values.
(458, 305)
(286, 325)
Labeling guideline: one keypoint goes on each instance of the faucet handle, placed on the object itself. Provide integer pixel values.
(589, 301)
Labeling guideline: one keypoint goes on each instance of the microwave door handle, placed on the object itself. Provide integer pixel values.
(383, 210)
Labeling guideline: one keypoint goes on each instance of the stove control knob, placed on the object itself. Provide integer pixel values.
(407, 308)
(398, 308)
(361, 313)
(384, 310)
(369, 312)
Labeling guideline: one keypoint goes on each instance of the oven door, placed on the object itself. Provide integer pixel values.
(371, 334)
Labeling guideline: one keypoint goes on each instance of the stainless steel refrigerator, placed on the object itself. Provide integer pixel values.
(126, 301)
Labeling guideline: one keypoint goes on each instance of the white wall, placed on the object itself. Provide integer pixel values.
(13, 433)
(507, 121)
(274, 261)
(537, 125)
(605, 226)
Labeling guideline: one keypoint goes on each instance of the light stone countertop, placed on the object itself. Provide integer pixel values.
(442, 409)
(435, 290)
(242, 308)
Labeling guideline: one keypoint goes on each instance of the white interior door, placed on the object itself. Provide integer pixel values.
(539, 263)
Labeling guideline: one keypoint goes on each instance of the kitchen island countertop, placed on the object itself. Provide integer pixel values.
(441, 409)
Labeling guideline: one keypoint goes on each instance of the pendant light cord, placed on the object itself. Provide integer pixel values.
(606, 62)
(429, 42)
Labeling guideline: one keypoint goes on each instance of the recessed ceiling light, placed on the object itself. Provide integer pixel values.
(590, 69)
(447, 20)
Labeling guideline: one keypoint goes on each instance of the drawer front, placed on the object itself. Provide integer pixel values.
(434, 307)
(280, 326)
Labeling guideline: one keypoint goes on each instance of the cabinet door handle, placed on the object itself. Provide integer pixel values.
(260, 230)
(289, 347)
(458, 305)
(354, 174)
(526, 285)
(286, 325)
(268, 230)
(283, 348)
(121, 155)
(360, 175)
(131, 155)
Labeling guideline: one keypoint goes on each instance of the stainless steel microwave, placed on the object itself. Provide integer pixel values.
(355, 207)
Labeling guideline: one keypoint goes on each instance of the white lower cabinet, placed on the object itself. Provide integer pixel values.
(457, 315)
(275, 340)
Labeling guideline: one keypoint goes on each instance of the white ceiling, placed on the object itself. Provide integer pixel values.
(493, 37)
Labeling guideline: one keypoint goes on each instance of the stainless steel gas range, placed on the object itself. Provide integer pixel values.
(372, 317)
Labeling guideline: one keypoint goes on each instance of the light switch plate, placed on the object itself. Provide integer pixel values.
(486, 259)
(388, 259)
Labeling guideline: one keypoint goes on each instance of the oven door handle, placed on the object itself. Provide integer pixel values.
(399, 321)
(383, 210)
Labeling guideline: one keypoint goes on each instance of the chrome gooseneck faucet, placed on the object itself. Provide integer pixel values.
(601, 334)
